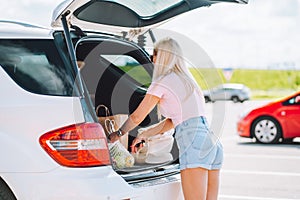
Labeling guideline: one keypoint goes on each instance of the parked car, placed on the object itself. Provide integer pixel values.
(230, 91)
(51, 144)
(276, 120)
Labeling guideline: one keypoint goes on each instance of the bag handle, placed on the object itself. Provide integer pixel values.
(107, 113)
(109, 125)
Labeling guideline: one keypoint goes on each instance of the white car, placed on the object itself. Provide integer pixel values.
(51, 144)
(230, 91)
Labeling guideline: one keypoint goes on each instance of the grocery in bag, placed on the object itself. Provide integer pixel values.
(120, 155)
(118, 150)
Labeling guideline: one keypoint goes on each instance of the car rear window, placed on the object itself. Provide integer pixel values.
(36, 66)
(148, 8)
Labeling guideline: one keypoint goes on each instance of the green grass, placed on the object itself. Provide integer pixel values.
(268, 79)
(264, 84)
(254, 79)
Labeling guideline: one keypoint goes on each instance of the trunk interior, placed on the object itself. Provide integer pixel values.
(117, 75)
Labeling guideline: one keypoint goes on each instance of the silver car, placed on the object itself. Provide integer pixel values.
(230, 91)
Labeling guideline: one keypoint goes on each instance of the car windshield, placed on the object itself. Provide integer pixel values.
(147, 8)
(36, 66)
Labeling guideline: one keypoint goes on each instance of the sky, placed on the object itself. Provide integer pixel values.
(262, 34)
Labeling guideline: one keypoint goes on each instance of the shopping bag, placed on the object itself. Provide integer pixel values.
(120, 156)
(112, 123)
(156, 149)
(118, 150)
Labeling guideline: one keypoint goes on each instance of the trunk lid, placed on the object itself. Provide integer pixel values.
(125, 16)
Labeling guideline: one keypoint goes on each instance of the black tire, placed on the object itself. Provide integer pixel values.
(5, 192)
(266, 130)
(207, 99)
(235, 99)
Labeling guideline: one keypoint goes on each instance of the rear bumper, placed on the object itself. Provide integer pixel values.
(89, 183)
(168, 188)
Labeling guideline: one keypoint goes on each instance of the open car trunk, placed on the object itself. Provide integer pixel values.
(117, 73)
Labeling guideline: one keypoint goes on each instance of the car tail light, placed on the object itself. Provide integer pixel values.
(80, 145)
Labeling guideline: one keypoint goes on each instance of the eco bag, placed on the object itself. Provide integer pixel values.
(112, 123)
(157, 149)
(121, 156)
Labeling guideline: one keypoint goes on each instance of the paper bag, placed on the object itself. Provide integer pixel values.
(112, 123)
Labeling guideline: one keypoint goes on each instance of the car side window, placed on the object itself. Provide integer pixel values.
(293, 101)
(131, 67)
(36, 66)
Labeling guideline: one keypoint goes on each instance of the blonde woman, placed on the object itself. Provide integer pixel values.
(181, 102)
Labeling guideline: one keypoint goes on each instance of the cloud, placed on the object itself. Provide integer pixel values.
(37, 12)
(286, 8)
(258, 34)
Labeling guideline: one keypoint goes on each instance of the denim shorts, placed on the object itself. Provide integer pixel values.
(198, 145)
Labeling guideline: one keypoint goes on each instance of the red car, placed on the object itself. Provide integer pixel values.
(269, 123)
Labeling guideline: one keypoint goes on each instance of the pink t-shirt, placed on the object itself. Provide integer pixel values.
(174, 102)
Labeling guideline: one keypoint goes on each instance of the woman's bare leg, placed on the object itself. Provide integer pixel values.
(194, 183)
(213, 185)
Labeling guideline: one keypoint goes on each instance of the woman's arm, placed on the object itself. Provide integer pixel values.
(145, 107)
(159, 128)
(155, 129)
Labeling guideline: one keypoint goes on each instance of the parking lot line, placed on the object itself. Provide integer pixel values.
(285, 157)
(268, 173)
(250, 198)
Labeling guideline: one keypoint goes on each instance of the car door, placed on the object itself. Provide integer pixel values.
(218, 93)
(290, 112)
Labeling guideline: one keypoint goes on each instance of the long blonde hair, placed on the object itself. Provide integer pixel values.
(169, 58)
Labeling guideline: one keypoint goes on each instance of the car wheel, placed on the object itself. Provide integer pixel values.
(5, 192)
(235, 99)
(266, 130)
(206, 99)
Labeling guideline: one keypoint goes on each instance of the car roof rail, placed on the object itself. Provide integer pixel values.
(20, 23)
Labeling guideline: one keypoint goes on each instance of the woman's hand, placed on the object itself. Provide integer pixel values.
(113, 137)
(137, 143)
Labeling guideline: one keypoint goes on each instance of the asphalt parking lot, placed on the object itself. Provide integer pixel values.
(254, 171)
